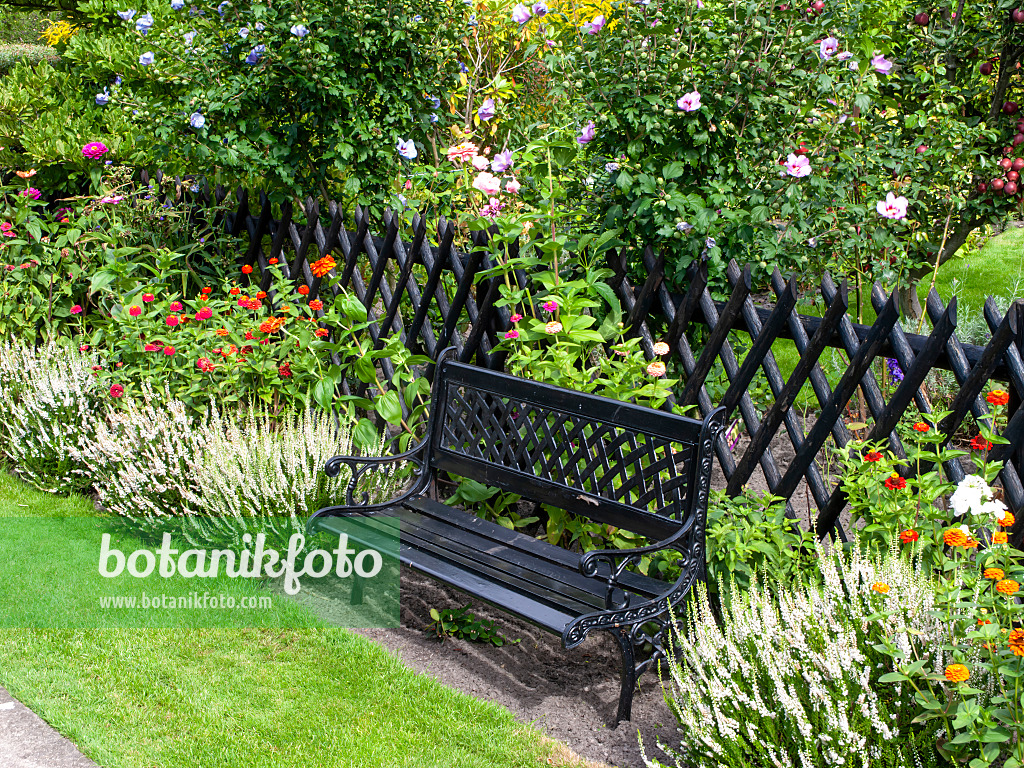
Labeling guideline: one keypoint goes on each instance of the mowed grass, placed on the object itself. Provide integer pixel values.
(259, 698)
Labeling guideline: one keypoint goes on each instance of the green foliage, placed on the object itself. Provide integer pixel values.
(296, 113)
(749, 537)
(460, 623)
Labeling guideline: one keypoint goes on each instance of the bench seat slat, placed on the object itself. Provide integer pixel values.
(536, 576)
(502, 537)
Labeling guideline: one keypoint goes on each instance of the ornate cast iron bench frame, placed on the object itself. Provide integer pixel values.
(615, 463)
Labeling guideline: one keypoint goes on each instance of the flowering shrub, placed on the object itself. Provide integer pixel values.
(49, 402)
(795, 137)
(211, 86)
(791, 676)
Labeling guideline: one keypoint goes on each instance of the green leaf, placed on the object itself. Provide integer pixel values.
(389, 407)
(364, 435)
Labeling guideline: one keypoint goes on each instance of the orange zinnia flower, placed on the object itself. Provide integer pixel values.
(998, 397)
(881, 587)
(909, 536)
(261, 295)
(954, 537)
(999, 537)
(1007, 520)
(247, 269)
(303, 290)
(271, 324)
(316, 305)
(222, 331)
(921, 426)
(957, 673)
(1007, 586)
(1016, 641)
(993, 573)
(321, 267)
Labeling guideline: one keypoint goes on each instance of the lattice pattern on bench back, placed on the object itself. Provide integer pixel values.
(601, 458)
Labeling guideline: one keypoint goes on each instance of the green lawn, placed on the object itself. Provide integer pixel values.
(259, 698)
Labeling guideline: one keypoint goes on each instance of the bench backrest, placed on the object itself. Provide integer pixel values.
(625, 465)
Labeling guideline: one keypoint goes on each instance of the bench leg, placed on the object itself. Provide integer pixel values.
(625, 640)
(356, 596)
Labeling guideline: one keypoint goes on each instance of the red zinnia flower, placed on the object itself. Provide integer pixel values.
(316, 305)
(272, 261)
(872, 456)
(322, 332)
(247, 269)
(261, 295)
(204, 364)
(207, 290)
(909, 536)
(235, 291)
(116, 390)
(921, 426)
(979, 443)
(285, 370)
(895, 483)
(998, 397)
(254, 304)
(303, 290)
(249, 336)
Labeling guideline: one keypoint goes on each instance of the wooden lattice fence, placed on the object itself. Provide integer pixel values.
(428, 292)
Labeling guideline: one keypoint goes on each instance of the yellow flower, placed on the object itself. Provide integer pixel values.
(957, 673)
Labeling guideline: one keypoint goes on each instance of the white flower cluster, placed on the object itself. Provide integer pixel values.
(786, 678)
(973, 496)
(48, 402)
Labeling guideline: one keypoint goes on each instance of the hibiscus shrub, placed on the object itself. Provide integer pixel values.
(771, 132)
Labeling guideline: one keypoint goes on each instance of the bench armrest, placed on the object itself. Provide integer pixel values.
(363, 465)
(625, 613)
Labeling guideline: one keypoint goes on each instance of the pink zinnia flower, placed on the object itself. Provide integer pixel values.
(657, 368)
(116, 390)
(32, 192)
(892, 207)
(168, 351)
(83, 348)
(204, 314)
(516, 317)
(798, 166)
(513, 334)
(152, 347)
(550, 306)
(76, 310)
(111, 199)
(172, 320)
(175, 306)
(94, 150)
(135, 311)
(148, 297)
(487, 183)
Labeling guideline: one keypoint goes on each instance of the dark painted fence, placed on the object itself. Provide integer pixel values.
(427, 291)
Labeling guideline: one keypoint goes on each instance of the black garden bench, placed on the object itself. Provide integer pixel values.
(618, 464)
